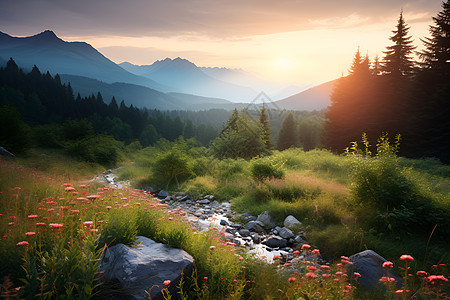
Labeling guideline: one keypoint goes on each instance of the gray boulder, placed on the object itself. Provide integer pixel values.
(285, 233)
(266, 219)
(368, 263)
(275, 242)
(204, 201)
(143, 267)
(163, 194)
(255, 226)
(291, 221)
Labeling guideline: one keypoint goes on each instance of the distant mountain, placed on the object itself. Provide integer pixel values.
(140, 96)
(315, 98)
(50, 53)
(188, 78)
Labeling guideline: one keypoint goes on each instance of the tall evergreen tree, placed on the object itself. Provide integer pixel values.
(436, 55)
(397, 60)
(266, 131)
(287, 136)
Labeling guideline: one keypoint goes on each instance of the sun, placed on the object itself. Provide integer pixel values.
(284, 64)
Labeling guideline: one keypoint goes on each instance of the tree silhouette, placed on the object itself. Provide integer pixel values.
(266, 131)
(287, 136)
(397, 60)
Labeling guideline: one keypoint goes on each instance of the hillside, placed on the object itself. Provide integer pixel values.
(186, 77)
(50, 53)
(315, 98)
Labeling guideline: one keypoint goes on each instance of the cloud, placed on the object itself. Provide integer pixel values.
(218, 19)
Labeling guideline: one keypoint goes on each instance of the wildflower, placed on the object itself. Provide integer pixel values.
(55, 225)
(212, 247)
(316, 252)
(306, 247)
(276, 256)
(357, 274)
(325, 267)
(386, 279)
(292, 279)
(296, 252)
(23, 243)
(400, 292)
(32, 216)
(88, 224)
(40, 224)
(10, 223)
(436, 280)
(388, 264)
(310, 275)
(422, 273)
(166, 282)
(312, 268)
(205, 278)
(326, 275)
(69, 189)
(406, 257)
(75, 211)
(108, 207)
(30, 233)
(93, 197)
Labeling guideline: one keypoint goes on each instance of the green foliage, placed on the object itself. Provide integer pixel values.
(171, 168)
(48, 136)
(119, 228)
(14, 134)
(101, 149)
(77, 129)
(262, 169)
(287, 137)
(241, 137)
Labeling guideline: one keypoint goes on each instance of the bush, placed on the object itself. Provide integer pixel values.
(14, 135)
(262, 169)
(171, 168)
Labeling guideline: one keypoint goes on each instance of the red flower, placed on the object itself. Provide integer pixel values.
(406, 257)
(23, 243)
(55, 225)
(310, 275)
(388, 264)
(292, 279)
(306, 247)
(30, 233)
(166, 282)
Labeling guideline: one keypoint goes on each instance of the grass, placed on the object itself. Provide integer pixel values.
(315, 189)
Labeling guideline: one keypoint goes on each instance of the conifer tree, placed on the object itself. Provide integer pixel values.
(266, 133)
(287, 136)
(436, 55)
(397, 60)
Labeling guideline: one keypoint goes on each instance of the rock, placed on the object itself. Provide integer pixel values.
(231, 230)
(291, 221)
(266, 219)
(369, 264)
(285, 233)
(6, 153)
(275, 242)
(215, 203)
(255, 226)
(163, 194)
(210, 197)
(244, 232)
(224, 222)
(299, 240)
(204, 201)
(146, 265)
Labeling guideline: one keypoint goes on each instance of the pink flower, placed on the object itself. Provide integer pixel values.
(310, 275)
(212, 247)
(388, 264)
(386, 279)
(40, 224)
(32, 216)
(166, 282)
(292, 279)
(30, 233)
(23, 243)
(312, 268)
(406, 257)
(306, 247)
(276, 256)
(316, 252)
(296, 252)
(357, 274)
(436, 279)
(422, 273)
(55, 225)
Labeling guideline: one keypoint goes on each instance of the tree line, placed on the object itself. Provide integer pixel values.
(397, 94)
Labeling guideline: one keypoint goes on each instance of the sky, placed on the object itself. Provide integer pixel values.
(291, 41)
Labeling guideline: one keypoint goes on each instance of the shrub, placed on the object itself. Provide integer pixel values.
(262, 169)
(200, 186)
(171, 168)
(101, 149)
(14, 133)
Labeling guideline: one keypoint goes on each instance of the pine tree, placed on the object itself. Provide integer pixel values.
(397, 60)
(266, 132)
(287, 137)
(436, 55)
